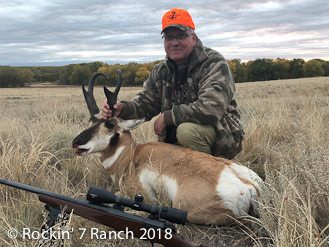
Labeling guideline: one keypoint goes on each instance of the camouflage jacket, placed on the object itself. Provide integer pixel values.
(210, 87)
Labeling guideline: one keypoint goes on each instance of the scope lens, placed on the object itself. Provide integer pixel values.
(173, 215)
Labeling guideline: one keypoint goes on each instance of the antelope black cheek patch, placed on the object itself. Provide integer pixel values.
(114, 140)
(86, 135)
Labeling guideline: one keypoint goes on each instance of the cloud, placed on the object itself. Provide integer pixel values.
(63, 32)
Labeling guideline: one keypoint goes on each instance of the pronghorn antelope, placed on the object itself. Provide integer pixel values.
(212, 190)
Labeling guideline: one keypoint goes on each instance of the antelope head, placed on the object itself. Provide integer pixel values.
(101, 133)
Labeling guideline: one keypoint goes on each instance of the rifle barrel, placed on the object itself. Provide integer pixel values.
(73, 201)
(106, 215)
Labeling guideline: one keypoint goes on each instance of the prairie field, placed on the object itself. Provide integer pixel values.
(287, 134)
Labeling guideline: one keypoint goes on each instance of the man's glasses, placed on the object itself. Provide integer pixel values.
(179, 37)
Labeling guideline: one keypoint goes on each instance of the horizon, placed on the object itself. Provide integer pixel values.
(61, 64)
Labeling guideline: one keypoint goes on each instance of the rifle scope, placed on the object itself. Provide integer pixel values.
(99, 195)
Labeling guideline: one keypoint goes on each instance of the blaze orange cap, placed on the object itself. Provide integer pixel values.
(179, 18)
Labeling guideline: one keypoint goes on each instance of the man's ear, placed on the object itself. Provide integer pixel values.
(194, 37)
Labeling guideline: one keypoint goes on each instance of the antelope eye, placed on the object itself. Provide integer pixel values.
(109, 125)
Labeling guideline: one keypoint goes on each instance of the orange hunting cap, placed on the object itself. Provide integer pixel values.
(179, 18)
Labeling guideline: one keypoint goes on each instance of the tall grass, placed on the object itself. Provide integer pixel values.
(287, 134)
(286, 142)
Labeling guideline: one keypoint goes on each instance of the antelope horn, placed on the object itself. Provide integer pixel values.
(89, 96)
(112, 97)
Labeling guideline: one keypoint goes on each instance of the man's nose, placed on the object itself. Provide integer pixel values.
(175, 41)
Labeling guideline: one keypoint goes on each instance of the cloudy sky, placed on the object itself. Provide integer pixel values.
(61, 32)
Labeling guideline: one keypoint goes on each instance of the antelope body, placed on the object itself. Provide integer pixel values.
(212, 190)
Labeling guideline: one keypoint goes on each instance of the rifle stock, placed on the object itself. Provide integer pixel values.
(108, 216)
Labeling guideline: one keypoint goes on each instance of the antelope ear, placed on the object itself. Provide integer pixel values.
(131, 124)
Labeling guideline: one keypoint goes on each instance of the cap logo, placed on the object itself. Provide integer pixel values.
(173, 15)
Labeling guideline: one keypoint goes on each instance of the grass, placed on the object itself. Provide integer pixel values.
(287, 135)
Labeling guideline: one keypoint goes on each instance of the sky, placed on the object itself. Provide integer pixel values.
(58, 32)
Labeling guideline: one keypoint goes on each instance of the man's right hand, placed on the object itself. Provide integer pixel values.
(106, 112)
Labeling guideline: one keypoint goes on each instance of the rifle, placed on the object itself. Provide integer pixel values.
(94, 209)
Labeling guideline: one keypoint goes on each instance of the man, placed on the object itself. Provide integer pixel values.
(192, 89)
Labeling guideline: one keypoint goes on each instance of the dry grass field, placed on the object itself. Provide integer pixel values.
(287, 136)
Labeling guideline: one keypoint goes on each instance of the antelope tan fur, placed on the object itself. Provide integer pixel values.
(212, 190)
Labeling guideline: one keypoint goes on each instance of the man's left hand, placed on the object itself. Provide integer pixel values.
(160, 126)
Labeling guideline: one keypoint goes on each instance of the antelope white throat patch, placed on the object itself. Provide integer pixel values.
(111, 160)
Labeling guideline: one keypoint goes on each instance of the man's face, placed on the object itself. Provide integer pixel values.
(179, 50)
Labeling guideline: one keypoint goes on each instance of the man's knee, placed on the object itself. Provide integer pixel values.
(185, 131)
(197, 137)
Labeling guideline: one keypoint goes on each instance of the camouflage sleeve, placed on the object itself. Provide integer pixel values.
(147, 103)
(216, 89)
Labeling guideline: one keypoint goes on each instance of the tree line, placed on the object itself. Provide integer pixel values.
(134, 74)
(277, 69)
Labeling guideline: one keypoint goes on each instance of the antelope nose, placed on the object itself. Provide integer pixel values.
(75, 143)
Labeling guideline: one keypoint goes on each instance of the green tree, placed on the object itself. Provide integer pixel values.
(8, 75)
(281, 69)
(80, 75)
(37, 74)
(241, 71)
(249, 65)
(261, 70)
(313, 68)
(14, 77)
(49, 77)
(296, 68)
(26, 76)
(325, 66)
(64, 78)
(95, 66)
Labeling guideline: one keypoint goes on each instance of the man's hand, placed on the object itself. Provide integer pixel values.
(106, 112)
(160, 126)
